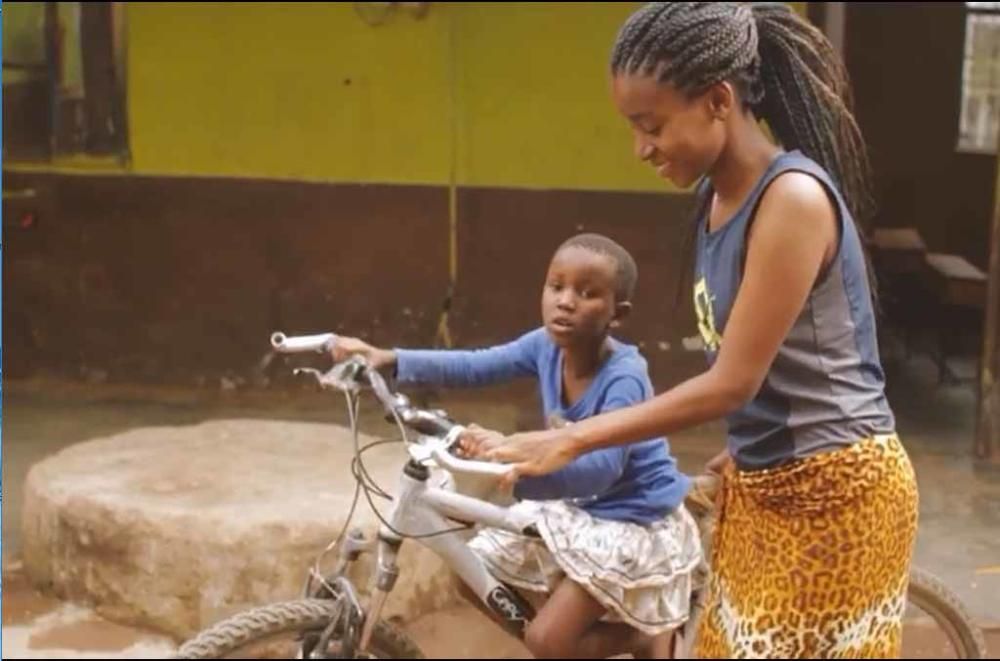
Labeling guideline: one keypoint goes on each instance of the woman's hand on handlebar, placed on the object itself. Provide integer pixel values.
(345, 347)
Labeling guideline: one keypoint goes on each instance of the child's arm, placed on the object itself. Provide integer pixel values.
(593, 473)
(590, 474)
(477, 367)
(451, 367)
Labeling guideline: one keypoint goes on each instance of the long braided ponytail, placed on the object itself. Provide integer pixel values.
(783, 68)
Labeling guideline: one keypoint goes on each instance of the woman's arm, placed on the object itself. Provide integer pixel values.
(795, 233)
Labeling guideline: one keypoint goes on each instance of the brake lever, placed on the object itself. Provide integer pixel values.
(309, 370)
(355, 373)
(341, 376)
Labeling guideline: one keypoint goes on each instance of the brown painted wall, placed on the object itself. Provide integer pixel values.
(507, 237)
(906, 65)
(156, 278)
(163, 278)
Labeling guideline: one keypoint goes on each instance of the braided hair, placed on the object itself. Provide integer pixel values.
(783, 69)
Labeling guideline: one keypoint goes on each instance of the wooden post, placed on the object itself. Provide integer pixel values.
(988, 427)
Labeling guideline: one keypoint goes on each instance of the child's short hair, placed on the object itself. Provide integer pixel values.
(626, 272)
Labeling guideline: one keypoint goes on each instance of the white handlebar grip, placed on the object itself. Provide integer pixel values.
(471, 467)
(301, 343)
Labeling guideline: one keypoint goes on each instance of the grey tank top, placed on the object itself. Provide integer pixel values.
(825, 389)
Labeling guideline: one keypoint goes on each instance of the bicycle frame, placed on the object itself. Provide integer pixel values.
(420, 510)
(425, 511)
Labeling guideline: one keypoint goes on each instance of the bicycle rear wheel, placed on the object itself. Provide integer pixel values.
(937, 624)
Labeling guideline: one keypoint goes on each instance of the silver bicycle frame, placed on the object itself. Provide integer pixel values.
(430, 514)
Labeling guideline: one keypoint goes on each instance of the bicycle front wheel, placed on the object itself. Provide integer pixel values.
(277, 631)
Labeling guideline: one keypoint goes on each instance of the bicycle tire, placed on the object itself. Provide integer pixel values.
(303, 615)
(936, 599)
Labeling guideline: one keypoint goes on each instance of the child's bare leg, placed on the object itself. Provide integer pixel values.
(567, 626)
(656, 647)
(607, 639)
(597, 640)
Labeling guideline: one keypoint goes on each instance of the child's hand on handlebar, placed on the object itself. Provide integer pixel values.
(476, 442)
(345, 347)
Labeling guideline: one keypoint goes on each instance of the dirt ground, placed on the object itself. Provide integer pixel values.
(39, 626)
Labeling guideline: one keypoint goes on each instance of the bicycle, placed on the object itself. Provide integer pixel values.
(331, 620)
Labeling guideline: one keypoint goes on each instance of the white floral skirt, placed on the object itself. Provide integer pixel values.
(643, 575)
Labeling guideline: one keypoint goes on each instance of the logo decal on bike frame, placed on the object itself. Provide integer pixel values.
(509, 605)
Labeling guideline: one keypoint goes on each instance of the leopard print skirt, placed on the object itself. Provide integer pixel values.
(811, 560)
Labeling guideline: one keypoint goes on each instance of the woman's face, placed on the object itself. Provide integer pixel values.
(679, 135)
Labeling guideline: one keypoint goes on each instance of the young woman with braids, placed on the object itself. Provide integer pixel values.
(819, 506)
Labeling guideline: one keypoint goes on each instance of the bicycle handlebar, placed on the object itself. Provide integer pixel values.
(302, 343)
(351, 374)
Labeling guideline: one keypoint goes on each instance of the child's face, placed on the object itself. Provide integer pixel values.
(677, 135)
(578, 300)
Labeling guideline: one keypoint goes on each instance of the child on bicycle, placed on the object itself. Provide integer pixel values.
(616, 541)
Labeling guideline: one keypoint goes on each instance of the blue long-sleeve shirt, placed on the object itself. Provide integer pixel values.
(638, 482)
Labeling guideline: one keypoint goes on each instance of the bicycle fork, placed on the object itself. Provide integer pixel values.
(389, 542)
(386, 573)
